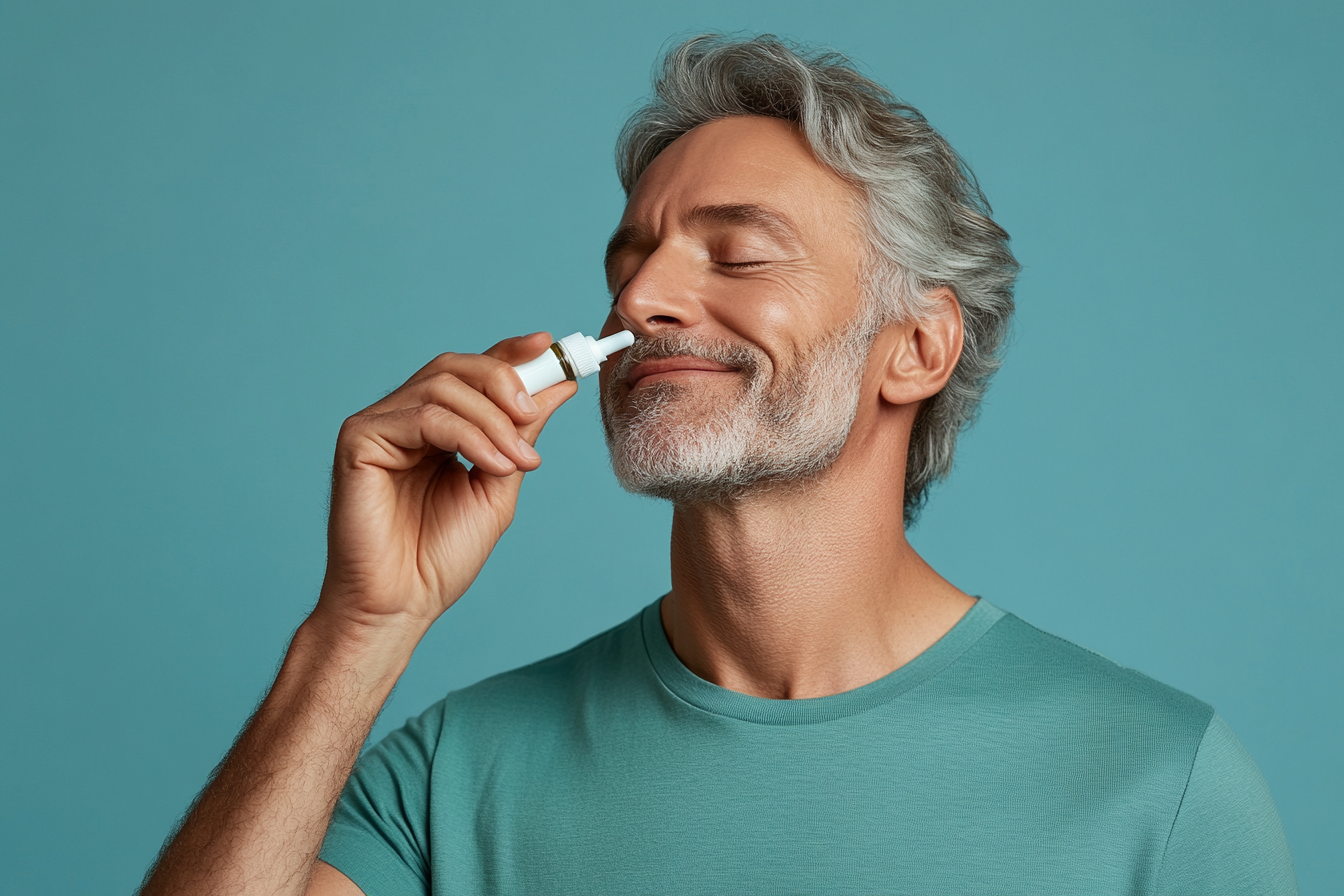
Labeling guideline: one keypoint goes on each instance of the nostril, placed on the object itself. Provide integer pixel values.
(663, 319)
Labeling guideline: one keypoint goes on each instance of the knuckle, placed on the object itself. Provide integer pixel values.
(443, 379)
(502, 372)
(431, 412)
(350, 426)
(439, 388)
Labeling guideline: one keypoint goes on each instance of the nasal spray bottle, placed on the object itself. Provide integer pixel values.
(572, 358)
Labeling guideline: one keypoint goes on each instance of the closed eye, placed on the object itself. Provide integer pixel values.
(741, 264)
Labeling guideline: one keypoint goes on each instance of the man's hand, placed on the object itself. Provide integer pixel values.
(410, 528)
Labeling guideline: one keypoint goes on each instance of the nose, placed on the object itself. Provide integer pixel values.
(663, 295)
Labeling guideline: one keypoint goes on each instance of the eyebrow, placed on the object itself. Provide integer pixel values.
(744, 214)
(741, 214)
(626, 235)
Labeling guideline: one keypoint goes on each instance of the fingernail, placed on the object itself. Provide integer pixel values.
(527, 450)
(525, 403)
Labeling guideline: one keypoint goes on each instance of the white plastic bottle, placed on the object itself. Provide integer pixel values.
(572, 358)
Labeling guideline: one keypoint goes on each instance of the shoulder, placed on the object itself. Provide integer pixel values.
(1056, 663)
(1227, 836)
(1159, 760)
(556, 686)
(1047, 670)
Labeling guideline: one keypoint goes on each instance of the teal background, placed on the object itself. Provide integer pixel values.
(225, 227)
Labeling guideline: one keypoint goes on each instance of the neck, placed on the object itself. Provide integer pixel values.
(804, 591)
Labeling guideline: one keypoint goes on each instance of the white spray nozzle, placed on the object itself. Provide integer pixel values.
(572, 358)
(612, 344)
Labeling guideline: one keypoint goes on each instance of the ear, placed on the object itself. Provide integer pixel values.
(925, 351)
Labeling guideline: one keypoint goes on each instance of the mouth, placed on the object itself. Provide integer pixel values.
(677, 367)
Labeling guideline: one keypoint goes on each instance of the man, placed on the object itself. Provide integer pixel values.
(819, 296)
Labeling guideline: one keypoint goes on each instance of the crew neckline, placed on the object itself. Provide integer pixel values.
(711, 698)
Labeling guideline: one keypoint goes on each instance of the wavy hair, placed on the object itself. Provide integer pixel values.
(928, 223)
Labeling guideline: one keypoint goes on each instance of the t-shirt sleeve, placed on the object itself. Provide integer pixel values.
(1227, 838)
(379, 833)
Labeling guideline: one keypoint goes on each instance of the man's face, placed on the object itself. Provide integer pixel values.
(738, 262)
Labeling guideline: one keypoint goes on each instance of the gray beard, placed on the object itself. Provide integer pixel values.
(786, 427)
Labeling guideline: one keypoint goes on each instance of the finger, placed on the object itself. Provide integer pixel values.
(446, 390)
(518, 349)
(501, 488)
(400, 439)
(548, 400)
(492, 376)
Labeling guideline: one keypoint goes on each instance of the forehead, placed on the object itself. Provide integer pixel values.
(740, 161)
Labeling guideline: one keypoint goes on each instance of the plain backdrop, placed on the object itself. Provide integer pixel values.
(225, 227)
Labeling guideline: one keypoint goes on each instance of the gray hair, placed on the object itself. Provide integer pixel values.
(927, 221)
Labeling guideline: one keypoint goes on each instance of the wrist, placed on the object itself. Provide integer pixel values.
(371, 652)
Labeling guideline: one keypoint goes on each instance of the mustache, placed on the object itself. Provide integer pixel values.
(748, 359)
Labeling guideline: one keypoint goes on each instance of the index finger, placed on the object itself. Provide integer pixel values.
(521, 349)
(518, 349)
(492, 374)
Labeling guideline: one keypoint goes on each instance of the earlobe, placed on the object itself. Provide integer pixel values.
(926, 351)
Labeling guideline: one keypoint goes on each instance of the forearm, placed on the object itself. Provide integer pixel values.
(411, 525)
(258, 826)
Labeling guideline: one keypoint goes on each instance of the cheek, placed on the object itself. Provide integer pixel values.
(777, 321)
(781, 317)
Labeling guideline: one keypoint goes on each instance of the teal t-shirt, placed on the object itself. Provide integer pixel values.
(1001, 760)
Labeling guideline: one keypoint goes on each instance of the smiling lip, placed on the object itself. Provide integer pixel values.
(657, 366)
